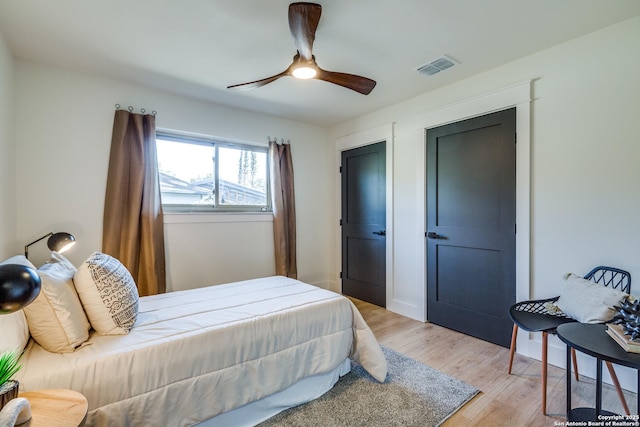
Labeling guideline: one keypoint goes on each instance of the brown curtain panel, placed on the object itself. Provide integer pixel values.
(284, 209)
(133, 229)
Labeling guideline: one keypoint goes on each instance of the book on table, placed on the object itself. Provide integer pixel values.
(617, 333)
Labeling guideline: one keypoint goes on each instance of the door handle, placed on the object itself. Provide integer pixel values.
(434, 235)
(380, 233)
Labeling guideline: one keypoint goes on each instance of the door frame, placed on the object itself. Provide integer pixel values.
(356, 140)
(518, 96)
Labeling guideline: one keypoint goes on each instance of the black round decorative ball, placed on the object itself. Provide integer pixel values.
(19, 286)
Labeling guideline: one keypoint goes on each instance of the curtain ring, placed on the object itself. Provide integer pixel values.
(154, 112)
(142, 110)
(117, 106)
(130, 108)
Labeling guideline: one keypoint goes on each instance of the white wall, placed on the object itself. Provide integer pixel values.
(63, 133)
(7, 154)
(584, 156)
(584, 174)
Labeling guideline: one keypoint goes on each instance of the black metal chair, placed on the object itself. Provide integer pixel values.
(533, 316)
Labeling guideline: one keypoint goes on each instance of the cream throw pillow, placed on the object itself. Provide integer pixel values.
(586, 301)
(108, 293)
(56, 319)
(14, 329)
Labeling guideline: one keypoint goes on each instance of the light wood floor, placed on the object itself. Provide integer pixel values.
(505, 400)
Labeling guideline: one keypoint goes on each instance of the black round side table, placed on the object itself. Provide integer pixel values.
(592, 339)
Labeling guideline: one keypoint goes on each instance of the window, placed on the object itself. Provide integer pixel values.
(200, 174)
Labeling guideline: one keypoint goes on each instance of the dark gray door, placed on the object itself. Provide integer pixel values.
(363, 223)
(471, 226)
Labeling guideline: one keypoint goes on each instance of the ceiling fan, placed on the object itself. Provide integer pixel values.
(303, 22)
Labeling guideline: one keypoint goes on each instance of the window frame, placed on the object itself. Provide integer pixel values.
(216, 143)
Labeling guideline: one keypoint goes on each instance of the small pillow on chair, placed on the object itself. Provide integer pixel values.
(586, 301)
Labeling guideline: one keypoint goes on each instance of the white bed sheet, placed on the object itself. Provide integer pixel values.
(195, 354)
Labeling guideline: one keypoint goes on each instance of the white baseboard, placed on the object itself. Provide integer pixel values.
(528, 344)
(408, 310)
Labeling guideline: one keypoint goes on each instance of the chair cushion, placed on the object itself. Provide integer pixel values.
(586, 301)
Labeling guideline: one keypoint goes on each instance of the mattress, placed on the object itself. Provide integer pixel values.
(195, 354)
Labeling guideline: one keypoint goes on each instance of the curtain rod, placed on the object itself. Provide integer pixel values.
(142, 110)
(275, 139)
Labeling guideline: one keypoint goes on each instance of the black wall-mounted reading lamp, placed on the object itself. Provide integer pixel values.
(59, 242)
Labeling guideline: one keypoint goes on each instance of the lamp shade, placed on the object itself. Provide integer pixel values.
(61, 242)
(19, 286)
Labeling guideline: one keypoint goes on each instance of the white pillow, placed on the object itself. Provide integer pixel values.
(14, 330)
(586, 301)
(108, 293)
(56, 318)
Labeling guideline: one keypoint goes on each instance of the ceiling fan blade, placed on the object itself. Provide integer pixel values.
(259, 83)
(303, 22)
(360, 84)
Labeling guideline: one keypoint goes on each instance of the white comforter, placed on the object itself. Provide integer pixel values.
(198, 353)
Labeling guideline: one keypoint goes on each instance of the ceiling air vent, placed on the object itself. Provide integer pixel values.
(436, 65)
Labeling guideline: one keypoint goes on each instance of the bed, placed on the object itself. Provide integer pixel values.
(233, 354)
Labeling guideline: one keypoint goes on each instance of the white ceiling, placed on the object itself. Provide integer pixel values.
(199, 47)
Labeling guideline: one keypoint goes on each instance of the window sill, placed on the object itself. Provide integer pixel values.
(217, 217)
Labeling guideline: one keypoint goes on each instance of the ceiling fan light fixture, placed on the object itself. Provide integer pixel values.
(303, 22)
(304, 72)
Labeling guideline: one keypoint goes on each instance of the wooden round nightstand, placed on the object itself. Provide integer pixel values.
(56, 408)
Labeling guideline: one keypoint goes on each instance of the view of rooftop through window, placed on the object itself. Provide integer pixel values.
(188, 175)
